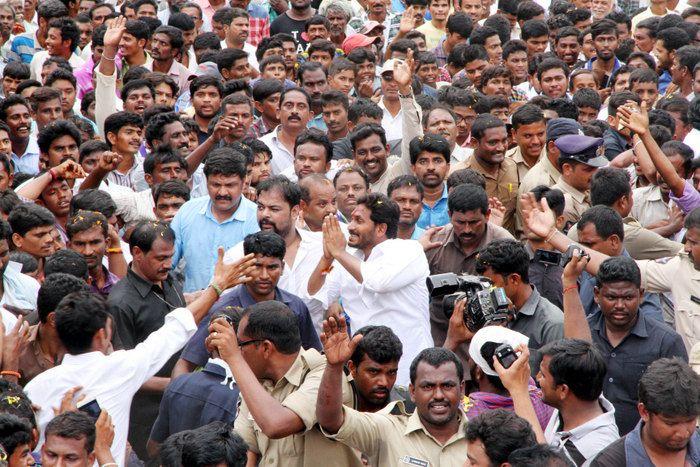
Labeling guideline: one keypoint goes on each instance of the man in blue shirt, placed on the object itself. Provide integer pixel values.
(269, 249)
(430, 161)
(223, 218)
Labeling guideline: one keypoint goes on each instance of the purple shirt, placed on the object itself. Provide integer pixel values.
(480, 402)
(689, 200)
(110, 280)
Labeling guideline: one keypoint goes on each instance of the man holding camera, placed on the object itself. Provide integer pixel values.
(506, 264)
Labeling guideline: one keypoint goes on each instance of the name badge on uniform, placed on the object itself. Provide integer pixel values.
(414, 461)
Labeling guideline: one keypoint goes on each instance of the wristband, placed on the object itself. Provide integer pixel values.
(407, 96)
(53, 174)
(114, 251)
(216, 288)
(108, 58)
(10, 373)
(551, 235)
(110, 464)
(570, 288)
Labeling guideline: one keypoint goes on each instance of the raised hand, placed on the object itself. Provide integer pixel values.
(517, 377)
(498, 211)
(115, 31)
(574, 268)
(426, 240)
(69, 169)
(230, 275)
(634, 117)
(222, 337)
(104, 436)
(408, 21)
(223, 128)
(333, 238)
(337, 345)
(457, 330)
(538, 217)
(403, 72)
(109, 161)
(68, 402)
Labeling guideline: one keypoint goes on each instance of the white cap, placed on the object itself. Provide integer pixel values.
(497, 334)
(389, 65)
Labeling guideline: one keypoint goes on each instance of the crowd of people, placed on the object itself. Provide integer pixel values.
(350, 233)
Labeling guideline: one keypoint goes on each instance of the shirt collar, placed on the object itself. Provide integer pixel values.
(142, 286)
(577, 195)
(639, 329)
(414, 423)
(531, 303)
(83, 358)
(296, 372)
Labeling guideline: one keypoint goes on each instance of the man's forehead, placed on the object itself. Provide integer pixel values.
(446, 371)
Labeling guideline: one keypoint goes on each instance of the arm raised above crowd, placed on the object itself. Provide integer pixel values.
(106, 75)
(575, 323)
(68, 169)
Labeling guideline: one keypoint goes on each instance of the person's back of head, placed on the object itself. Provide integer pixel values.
(81, 322)
(171, 450)
(53, 289)
(214, 444)
(66, 261)
(610, 186)
(505, 257)
(577, 369)
(540, 455)
(500, 432)
(272, 322)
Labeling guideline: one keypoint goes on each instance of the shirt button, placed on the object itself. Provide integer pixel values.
(612, 354)
(610, 380)
(272, 461)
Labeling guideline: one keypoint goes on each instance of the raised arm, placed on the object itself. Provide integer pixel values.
(106, 76)
(410, 111)
(68, 169)
(637, 120)
(575, 322)
(338, 348)
(107, 162)
(224, 125)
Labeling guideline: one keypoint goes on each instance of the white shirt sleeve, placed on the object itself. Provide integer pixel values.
(105, 89)
(402, 264)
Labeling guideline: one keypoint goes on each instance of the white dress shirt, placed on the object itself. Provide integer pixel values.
(692, 139)
(281, 157)
(390, 123)
(112, 379)
(38, 60)
(295, 278)
(393, 293)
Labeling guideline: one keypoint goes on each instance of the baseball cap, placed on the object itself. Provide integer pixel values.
(357, 40)
(493, 336)
(558, 127)
(582, 148)
(371, 25)
(206, 69)
(388, 66)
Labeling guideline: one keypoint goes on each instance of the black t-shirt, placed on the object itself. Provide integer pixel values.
(284, 23)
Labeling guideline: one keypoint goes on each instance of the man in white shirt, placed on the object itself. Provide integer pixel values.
(278, 210)
(61, 41)
(85, 329)
(383, 282)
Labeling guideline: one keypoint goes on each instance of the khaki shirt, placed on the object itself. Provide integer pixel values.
(32, 360)
(399, 439)
(517, 156)
(576, 202)
(678, 276)
(648, 207)
(503, 186)
(297, 390)
(542, 173)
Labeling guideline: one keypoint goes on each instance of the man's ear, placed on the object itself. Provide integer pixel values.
(142, 43)
(596, 294)
(17, 240)
(111, 138)
(148, 178)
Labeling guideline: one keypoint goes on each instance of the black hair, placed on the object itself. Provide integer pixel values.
(462, 176)
(321, 45)
(608, 185)
(266, 244)
(14, 401)
(670, 387)
(363, 107)
(53, 289)
(527, 10)
(225, 161)
(383, 210)
(69, 31)
(405, 181)
(206, 40)
(484, 122)
(479, 35)
(672, 148)
(486, 104)
(11, 101)
(318, 138)
(460, 23)
(432, 143)
(692, 219)
(181, 21)
(688, 57)
(28, 262)
(289, 190)
(138, 28)
(265, 88)
(366, 130)
(79, 316)
(351, 169)
(50, 9)
(68, 262)
(618, 269)
(176, 188)
(579, 365)
(526, 115)
(26, 217)
(504, 257)
(134, 72)
(534, 28)
(93, 200)
(475, 52)
(555, 198)
(147, 232)
(468, 197)
(299, 90)
(266, 44)
(174, 34)
(204, 81)
(213, 444)
(27, 83)
(275, 322)
(379, 343)
(135, 84)
(603, 26)
(538, 456)
(551, 63)
(512, 47)
(92, 146)
(643, 75)
(617, 99)
(501, 24)
(558, 22)
(86, 220)
(162, 155)
(673, 38)
(73, 425)
(587, 97)
(17, 70)
(606, 220)
(501, 432)
(436, 357)
(14, 432)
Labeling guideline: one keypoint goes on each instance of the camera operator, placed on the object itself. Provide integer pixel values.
(458, 243)
(490, 393)
(506, 264)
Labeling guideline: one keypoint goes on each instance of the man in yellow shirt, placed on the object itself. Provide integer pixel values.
(435, 28)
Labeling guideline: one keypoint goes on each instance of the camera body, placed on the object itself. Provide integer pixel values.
(485, 304)
(556, 258)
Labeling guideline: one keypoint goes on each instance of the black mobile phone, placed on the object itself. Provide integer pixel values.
(91, 408)
(547, 256)
(505, 355)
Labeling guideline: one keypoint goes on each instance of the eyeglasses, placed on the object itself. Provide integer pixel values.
(252, 341)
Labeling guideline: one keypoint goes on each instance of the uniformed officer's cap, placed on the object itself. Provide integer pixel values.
(581, 148)
(558, 127)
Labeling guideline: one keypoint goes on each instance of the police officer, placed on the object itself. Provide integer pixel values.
(580, 157)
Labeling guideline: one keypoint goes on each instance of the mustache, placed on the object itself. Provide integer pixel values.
(223, 198)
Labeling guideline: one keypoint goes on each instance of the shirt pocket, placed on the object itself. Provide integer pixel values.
(687, 317)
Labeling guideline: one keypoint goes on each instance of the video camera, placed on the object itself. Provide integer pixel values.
(485, 304)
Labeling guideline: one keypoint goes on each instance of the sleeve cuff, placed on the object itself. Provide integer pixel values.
(184, 317)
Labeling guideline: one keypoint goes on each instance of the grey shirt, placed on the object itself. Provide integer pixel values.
(542, 322)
